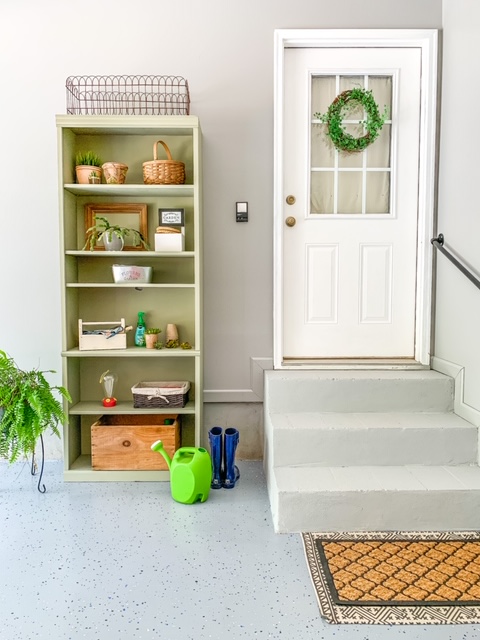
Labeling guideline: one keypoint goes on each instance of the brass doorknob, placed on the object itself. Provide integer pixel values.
(290, 221)
(290, 199)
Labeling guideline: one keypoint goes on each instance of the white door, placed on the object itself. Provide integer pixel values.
(350, 262)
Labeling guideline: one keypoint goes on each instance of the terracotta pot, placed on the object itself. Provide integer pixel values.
(151, 340)
(83, 172)
(171, 332)
(114, 172)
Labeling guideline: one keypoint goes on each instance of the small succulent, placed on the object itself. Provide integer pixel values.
(186, 345)
(153, 331)
(172, 344)
(87, 158)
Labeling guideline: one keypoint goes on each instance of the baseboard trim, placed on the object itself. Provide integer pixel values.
(255, 394)
(457, 372)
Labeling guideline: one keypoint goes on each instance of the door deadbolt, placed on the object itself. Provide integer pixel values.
(290, 221)
(290, 199)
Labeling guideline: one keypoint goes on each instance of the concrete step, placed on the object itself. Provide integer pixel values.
(356, 439)
(375, 498)
(358, 391)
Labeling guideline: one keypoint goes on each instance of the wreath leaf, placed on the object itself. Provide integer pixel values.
(340, 107)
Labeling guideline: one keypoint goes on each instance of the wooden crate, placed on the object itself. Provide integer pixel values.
(122, 442)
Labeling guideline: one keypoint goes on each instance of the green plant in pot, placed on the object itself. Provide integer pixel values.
(29, 407)
(151, 337)
(112, 235)
(87, 163)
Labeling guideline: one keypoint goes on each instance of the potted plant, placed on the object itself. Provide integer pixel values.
(29, 408)
(86, 163)
(151, 337)
(113, 235)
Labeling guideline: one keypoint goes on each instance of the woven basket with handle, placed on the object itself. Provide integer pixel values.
(163, 171)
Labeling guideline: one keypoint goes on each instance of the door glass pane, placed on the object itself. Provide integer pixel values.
(323, 93)
(350, 192)
(381, 87)
(352, 82)
(321, 189)
(378, 153)
(322, 150)
(351, 159)
(378, 192)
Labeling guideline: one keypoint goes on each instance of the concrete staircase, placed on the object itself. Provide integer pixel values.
(368, 450)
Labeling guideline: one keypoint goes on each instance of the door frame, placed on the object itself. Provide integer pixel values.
(427, 41)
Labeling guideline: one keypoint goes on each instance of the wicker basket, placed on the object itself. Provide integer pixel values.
(163, 171)
(152, 395)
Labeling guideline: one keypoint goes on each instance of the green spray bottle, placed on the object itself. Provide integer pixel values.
(140, 331)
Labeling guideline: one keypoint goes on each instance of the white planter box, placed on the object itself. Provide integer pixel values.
(125, 273)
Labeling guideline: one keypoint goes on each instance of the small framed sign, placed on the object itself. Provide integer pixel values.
(169, 217)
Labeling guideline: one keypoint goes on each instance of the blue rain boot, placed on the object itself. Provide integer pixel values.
(216, 449)
(230, 470)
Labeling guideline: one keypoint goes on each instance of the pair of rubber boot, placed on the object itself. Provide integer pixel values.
(223, 447)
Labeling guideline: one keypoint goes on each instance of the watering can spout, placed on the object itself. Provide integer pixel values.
(158, 446)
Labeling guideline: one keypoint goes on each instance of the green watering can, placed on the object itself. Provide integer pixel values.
(190, 472)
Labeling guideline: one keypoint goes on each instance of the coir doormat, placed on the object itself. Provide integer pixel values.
(396, 577)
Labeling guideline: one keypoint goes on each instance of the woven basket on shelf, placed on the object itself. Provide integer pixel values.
(163, 171)
(160, 394)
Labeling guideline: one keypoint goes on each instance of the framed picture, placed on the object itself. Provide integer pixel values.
(169, 217)
(131, 216)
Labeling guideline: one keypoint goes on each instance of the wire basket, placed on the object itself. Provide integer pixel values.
(163, 171)
(160, 394)
(128, 95)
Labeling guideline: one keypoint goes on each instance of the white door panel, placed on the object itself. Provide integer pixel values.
(349, 273)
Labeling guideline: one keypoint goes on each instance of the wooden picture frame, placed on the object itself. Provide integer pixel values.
(137, 219)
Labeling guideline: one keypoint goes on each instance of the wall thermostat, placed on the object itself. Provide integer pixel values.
(242, 211)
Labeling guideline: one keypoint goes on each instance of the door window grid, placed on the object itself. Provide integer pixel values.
(367, 202)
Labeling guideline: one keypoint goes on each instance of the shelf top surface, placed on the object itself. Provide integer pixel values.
(129, 189)
(125, 125)
(93, 408)
(129, 352)
(130, 254)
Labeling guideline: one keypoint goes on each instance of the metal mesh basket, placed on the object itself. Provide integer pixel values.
(128, 95)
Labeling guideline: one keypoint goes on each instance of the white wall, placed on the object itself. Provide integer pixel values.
(458, 301)
(225, 50)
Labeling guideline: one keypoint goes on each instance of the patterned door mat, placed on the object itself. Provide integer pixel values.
(396, 577)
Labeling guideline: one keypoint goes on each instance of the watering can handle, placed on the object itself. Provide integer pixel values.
(186, 450)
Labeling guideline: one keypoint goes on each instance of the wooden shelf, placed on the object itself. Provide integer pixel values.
(145, 190)
(95, 408)
(81, 471)
(131, 352)
(127, 285)
(131, 254)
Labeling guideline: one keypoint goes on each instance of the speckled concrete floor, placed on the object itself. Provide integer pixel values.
(102, 561)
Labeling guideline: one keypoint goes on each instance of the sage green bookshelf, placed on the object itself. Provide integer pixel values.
(89, 292)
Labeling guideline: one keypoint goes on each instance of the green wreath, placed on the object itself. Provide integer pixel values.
(335, 115)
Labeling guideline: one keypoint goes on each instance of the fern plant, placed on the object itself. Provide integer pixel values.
(30, 408)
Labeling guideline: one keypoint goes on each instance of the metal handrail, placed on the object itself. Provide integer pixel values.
(438, 243)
